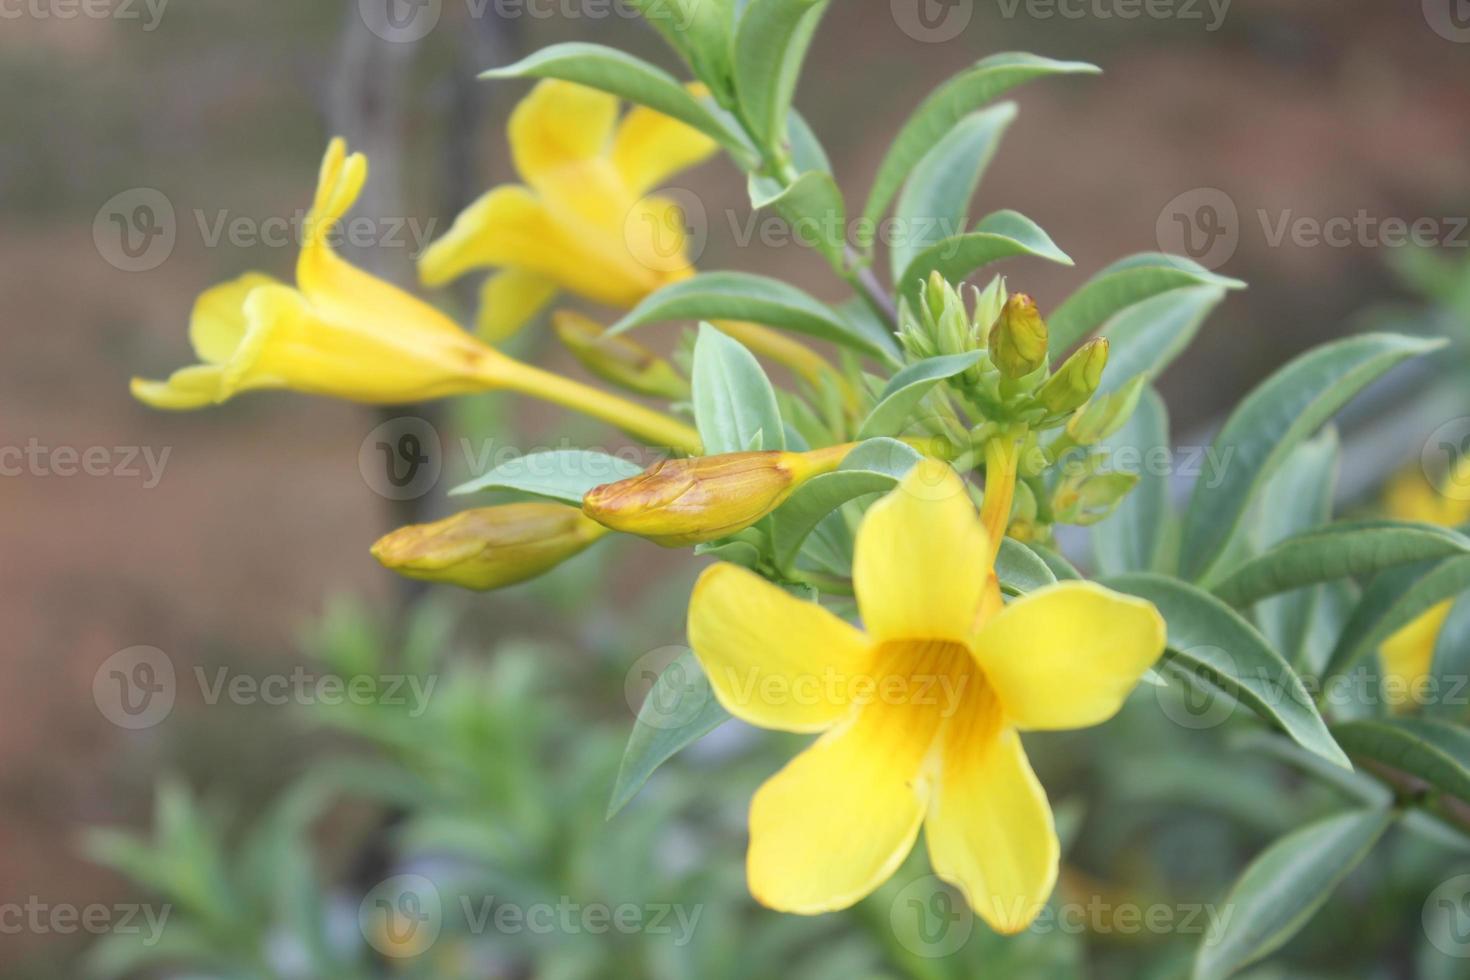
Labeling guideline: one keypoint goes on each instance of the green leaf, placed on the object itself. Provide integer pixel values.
(935, 203)
(760, 299)
(1020, 569)
(814, 208)
(734, 403)
(1285, 886)
(701, 31)
(1002, 235)
(875, 466)
(1210, 642)
(680, 709)
(1130, 539)
(1285, 409)
(1147, 337)
(1060, 567)
(1395, 599)
(1121, 285)
(946, 106)
(908, 388)
(1434, 751)
(562, 474)
(770, 46)
(1451, 661)
(1337, 551)
(625, 76)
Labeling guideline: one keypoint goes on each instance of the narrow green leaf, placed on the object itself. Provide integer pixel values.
(935, 202)
(562, 474)
(680, 709)
(1002, 235)
(1147, 337)
(1285, 886)
(1285, 409)
(1395, 599)
(1121, 285)
(625, 76)
(814, 208)
(1210, 642)
(1434, 751)
(701, 31)
(1020, 569)
(1130, 539)
(1337, 551)
(1451, 663)
(908, 388)
(770, 45)
(734, 404)
(760, 299)
(946, 106)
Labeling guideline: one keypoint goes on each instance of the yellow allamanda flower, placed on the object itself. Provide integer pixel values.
(919, 711)
(584, 221)
(344, 333)
(1408, 655)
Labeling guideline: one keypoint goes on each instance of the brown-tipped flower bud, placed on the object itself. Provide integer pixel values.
(618, 359)
(681, 502)
(1018, 339)
(489, 547)
(1075, 381)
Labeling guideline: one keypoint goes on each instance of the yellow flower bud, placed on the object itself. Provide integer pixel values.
(620, 360)
(489, 547)
(680, 502)
(1076, 380)
(1018, 339)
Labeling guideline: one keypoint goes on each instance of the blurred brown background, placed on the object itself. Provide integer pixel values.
(1322, 109)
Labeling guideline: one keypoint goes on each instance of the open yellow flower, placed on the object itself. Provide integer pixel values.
(583, 221)
(345, 333)
(919, 713)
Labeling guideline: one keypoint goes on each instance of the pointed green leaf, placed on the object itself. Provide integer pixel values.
(1435, 751)
(907, 389)
(812, 205)
(770, 45)
(1130, 539)
(1002, 235)
(1146, 338)
(1020, 569)
(1395, 599)
(734, 403)
(562, 474)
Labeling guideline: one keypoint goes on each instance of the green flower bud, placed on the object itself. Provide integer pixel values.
(1102, 417)
(988, 305)
(620, 360)
(1019, 338)
(1086, 497)
(1076, 380)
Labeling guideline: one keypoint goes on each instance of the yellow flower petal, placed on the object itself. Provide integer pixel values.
(773, 660)
(217, 324)
(1408, 655)
(196, 386)
(509, 299)
(990, 830)
(920, 563)
(560, 124)
(656, 236)
(1066, 656)
(650, 146)
(842, 816)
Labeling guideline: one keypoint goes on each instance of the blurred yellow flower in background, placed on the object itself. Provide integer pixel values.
(583, 221)
(920, 713)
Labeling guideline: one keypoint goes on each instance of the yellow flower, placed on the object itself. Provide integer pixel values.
(919, 713)
(1411, 497)
(345, 333)
(489, 547)
(583, 222)
(678, 502)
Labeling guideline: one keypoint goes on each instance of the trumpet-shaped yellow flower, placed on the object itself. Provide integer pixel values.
(489, 547)
(345, 333)
(919, 711)
(583, 221)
